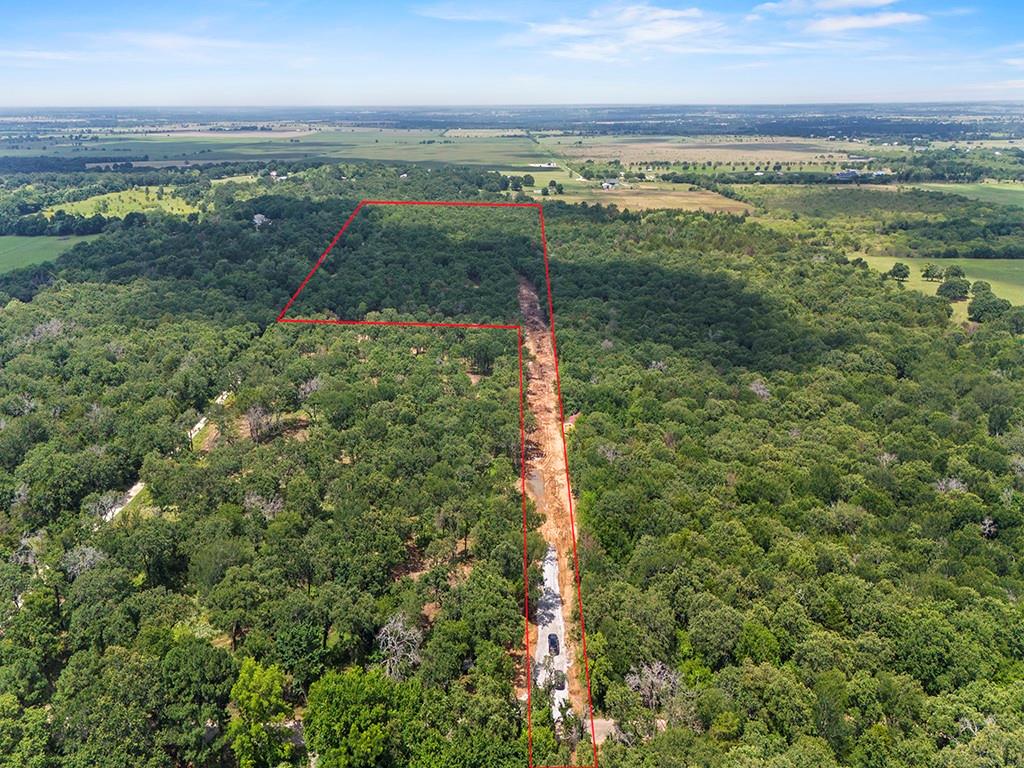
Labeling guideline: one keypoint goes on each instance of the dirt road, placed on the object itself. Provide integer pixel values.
(548, 489)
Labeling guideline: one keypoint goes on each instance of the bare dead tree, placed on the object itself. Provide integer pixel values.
(100, 506)
(950, 484)
(760, 389)
(261, 423)
(81, 559)
(29, 549)
(268, 508)
(307, 388)
(399, 643)
(655, 681)
(989, 529)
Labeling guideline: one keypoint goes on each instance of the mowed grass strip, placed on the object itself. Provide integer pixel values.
(17, 251)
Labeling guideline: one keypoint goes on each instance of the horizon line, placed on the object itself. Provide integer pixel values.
(493, 105)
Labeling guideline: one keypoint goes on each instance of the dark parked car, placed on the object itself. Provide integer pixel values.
(553, 644)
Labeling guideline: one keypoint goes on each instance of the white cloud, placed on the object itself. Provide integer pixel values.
(610, 32)
(783, 7)
(843, 5)
(37, 55)
(1014, 63)
(838, 24)
(169, 42)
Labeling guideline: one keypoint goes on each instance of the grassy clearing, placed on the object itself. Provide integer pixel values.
(541, 176)
(119, 204)
(999, 192)
(18, 251)
(648, 196)
(242, 179)
(637, 196)
(1005, 275)
(141, 505)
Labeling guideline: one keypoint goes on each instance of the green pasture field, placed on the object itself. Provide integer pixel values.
(1000, 192)
(1005, 275)
(118, 204)
(17, 251)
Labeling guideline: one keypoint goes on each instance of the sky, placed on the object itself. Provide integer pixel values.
(452, 52)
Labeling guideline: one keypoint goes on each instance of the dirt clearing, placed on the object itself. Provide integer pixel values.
(546, 470)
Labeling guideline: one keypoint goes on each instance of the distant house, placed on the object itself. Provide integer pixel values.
(609, 184)
(847, 174)
(259, 220)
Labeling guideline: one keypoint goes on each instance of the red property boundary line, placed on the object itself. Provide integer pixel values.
(522, 421)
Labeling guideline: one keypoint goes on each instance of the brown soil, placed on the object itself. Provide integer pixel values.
(546, 471)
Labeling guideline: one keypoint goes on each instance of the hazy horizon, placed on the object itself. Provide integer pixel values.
(455, 53)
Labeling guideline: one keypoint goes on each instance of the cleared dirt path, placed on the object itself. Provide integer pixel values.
(547, 487)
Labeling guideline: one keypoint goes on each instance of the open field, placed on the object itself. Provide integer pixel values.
(1005, 275)
(1001, 192)
(483, 133)
(244, 178)
(121, 203)
(676, 149)
(355, 143)
(647, 196)
(18, 251)
(541, 176)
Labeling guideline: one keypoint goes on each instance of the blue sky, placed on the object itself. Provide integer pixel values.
(303, 52)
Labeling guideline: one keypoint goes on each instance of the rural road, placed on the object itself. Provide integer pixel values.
(548, 489)
(551, 620)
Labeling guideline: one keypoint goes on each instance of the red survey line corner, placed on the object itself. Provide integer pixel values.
(281, 318)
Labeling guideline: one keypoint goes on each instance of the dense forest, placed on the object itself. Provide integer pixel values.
(800, 491)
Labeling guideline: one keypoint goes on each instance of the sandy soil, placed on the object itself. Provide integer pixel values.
(545, 466)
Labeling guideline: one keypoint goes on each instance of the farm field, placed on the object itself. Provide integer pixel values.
(1005, 275)
(16, 251)
(118, 204)
(1000, 192)
(648, 196)
(410, 145)
(677, 149)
